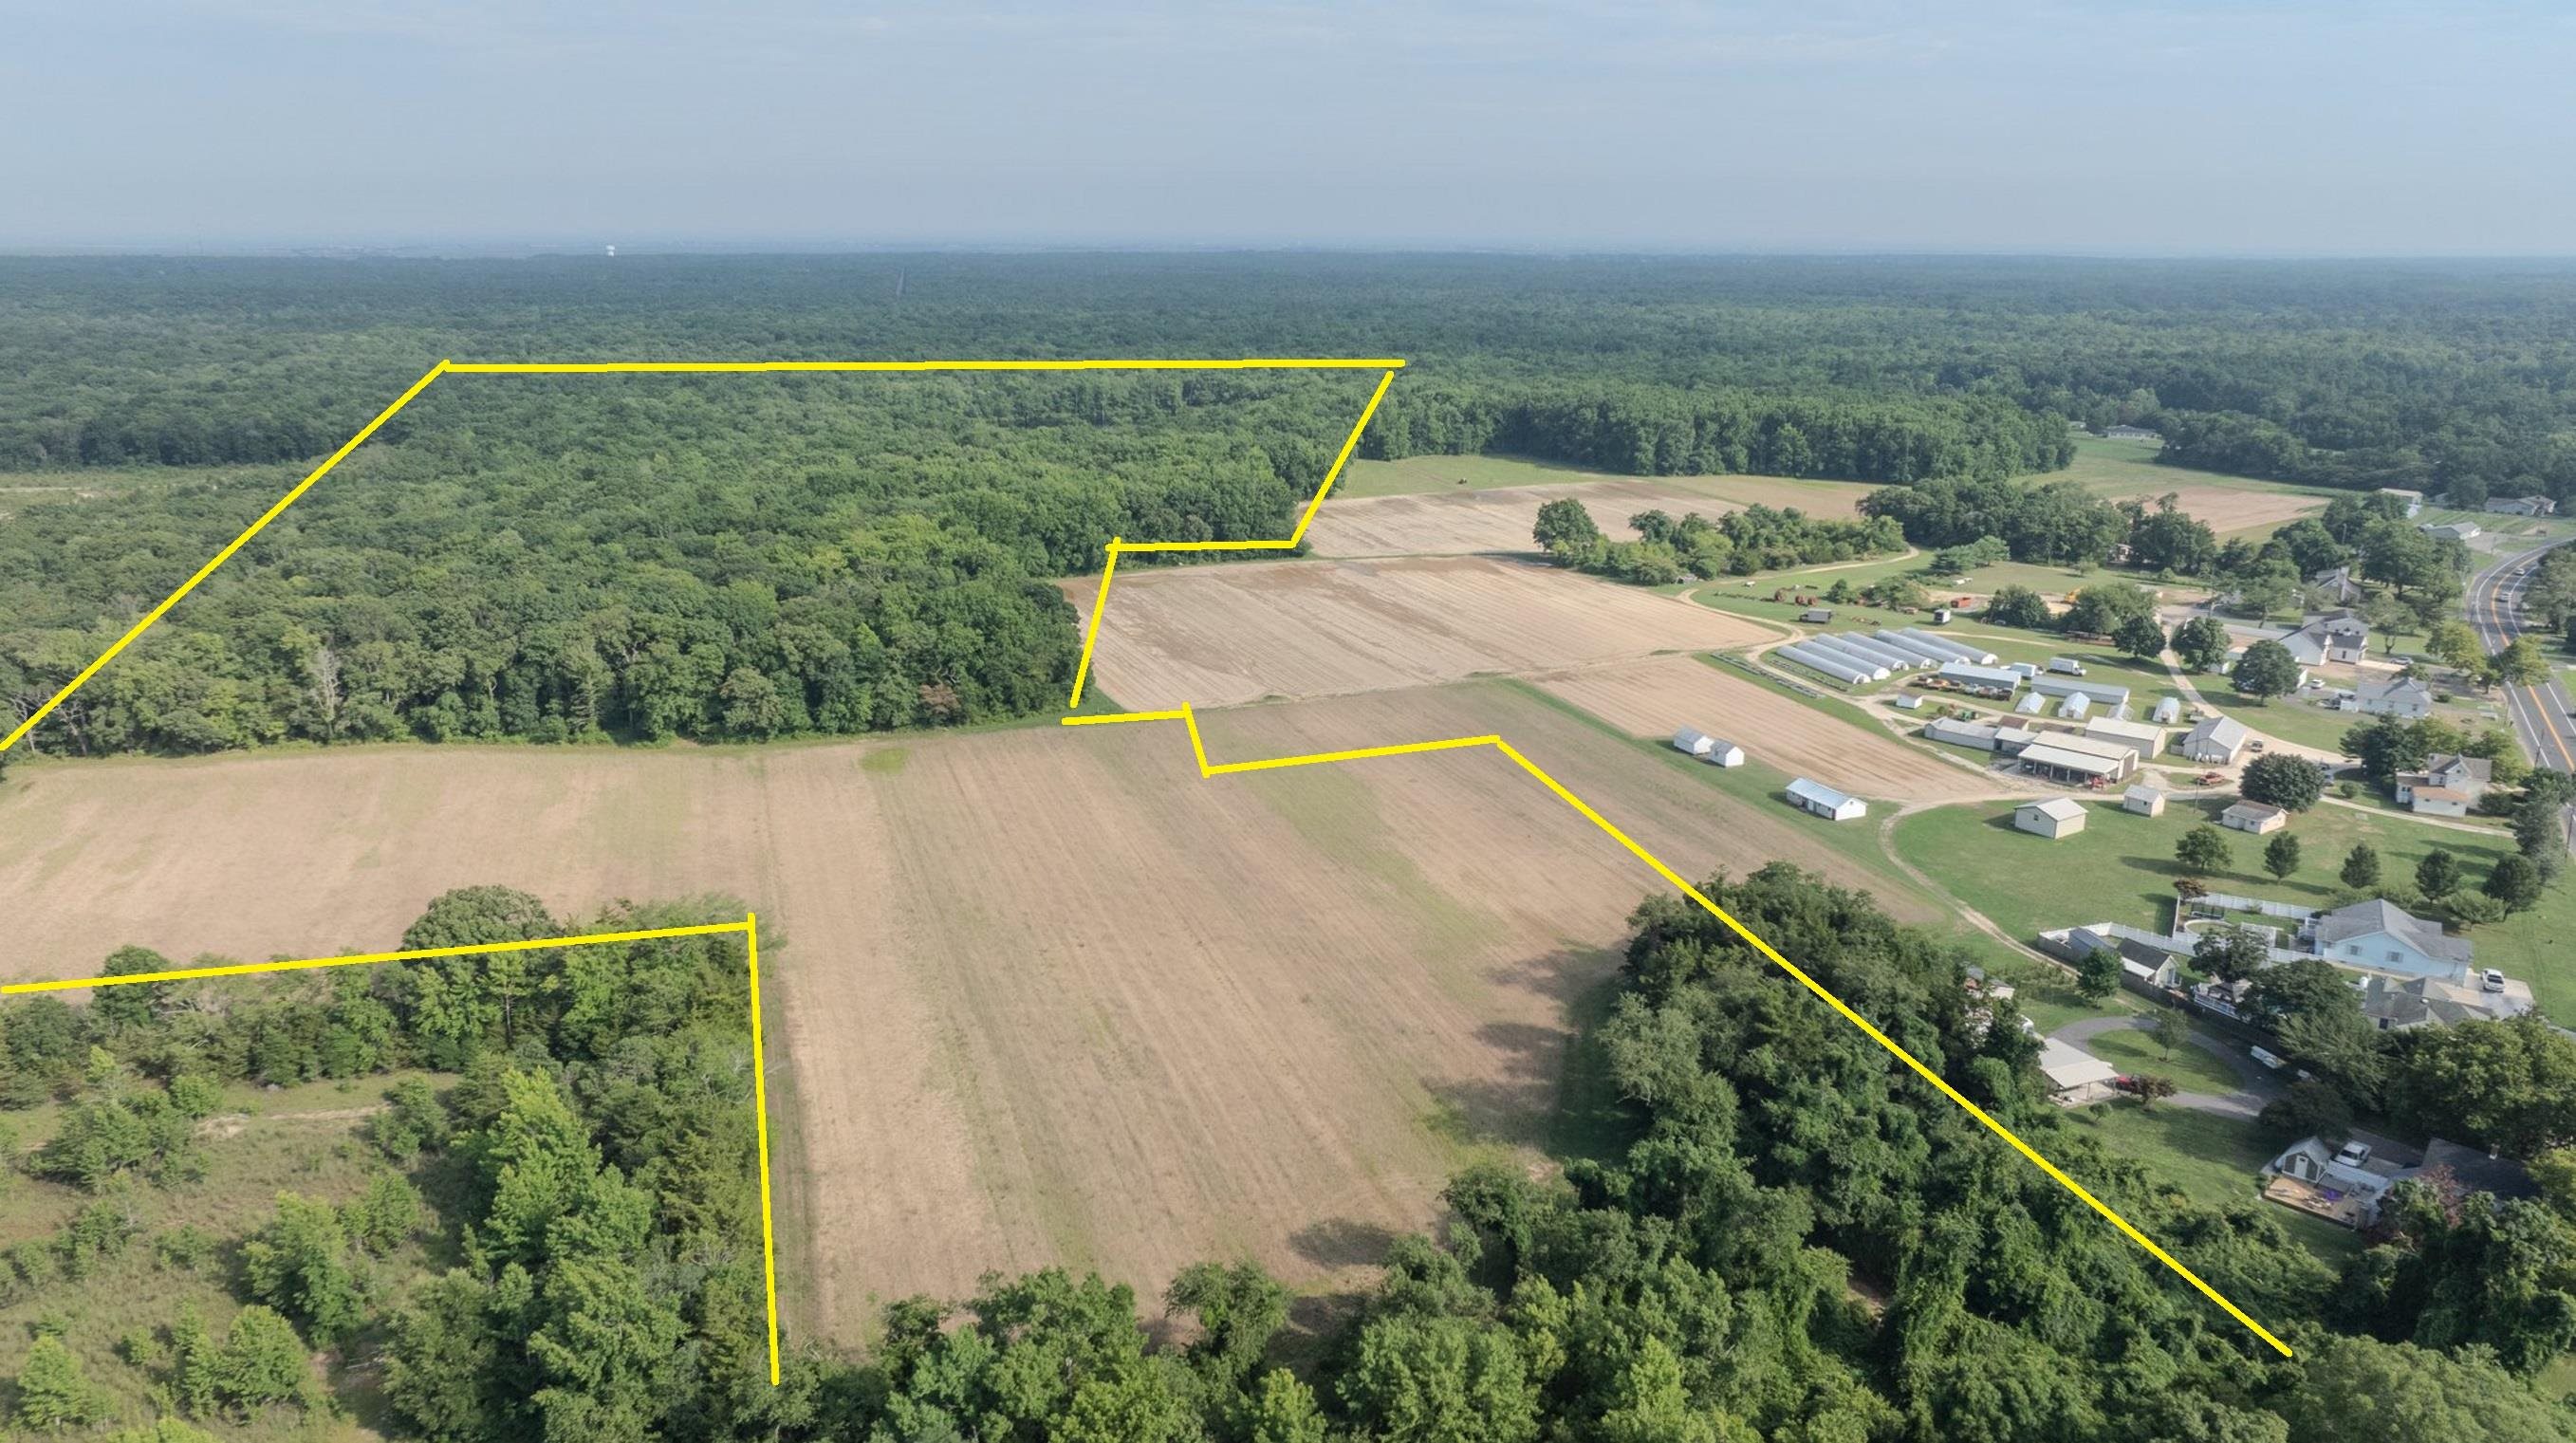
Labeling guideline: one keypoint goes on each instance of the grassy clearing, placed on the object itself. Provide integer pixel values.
(2120, 868)
(2309, 724)
(2117, 469)
(2191, 1068)
(2211, 1160)
(297, 1139)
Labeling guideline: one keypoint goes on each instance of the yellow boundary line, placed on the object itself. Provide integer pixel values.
(1198, 748)
(1183, 714)
(749, 927)
(730, 368)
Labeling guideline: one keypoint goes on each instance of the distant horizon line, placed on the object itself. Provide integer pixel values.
(720, 249)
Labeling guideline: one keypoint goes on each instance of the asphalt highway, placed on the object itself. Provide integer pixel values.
(2539, 713)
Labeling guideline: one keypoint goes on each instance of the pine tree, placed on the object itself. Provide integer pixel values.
(52, 1394)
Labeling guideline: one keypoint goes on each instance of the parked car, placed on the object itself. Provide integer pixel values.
(2491, 981)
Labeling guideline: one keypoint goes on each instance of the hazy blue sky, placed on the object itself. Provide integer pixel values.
(2338, 126)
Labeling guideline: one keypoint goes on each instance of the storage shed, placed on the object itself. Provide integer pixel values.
(1825, 802)
(2054, 818)
(2146, 801)
(1693, 743)
(1722, 753)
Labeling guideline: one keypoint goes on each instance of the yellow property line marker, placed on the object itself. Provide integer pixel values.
(727, 368)
(1198, 748)
(749, 927)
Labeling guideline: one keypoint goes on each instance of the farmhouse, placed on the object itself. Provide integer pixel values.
(2218, 740)
(2255, 817)
(2054, 818)
(2394, 1006)
(2338, 586)
(2450, 530)
(2375, 936)
(2522, 506)
(1975, 680)
(2144, 800)
(2414, 499)
(2329, 638)
(2138, 737)
(2407, 698)
(2447, 787)
(2075, 1077)
(1825, 802)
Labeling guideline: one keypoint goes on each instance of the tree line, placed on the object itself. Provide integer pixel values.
(1788, 1238)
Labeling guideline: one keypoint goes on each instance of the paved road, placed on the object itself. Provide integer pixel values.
(2257, 1085)
(2539, 713)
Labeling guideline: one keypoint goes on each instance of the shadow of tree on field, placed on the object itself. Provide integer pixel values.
(1343, 1243)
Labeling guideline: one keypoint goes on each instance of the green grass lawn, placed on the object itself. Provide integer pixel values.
(2308, 724)
(2120, 868)
(2211, 1160)
(2117, 469)
(2191, 1068)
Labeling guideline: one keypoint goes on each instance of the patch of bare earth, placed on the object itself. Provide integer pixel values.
(1040, 996)
(1656, 696)
(1217, 635)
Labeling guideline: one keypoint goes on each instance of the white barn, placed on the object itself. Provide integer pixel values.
(2054, 818)
(1825, 802)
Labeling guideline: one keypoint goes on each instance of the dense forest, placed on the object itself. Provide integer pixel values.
(1797, 1242)
(749, 557)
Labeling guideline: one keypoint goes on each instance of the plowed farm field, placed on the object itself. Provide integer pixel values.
(1500, 518)
(1040, 996)
(1217, 635)
(1656, 696)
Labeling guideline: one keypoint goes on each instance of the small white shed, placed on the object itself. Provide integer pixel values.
(2145, 801)
(1722, 753)
(2054, 818)
(1693, 743)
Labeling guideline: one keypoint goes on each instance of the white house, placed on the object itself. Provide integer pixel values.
(2144, 800)
(2255, 817)
(2329, 638)
(1825, 802)
(2375, 936)
(2054, 818)
(2217, 740)
(2407, 699)
(2447, 787)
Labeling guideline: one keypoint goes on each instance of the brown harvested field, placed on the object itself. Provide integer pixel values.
(1653, 697)
(1040, 995)
(1500, 518)
(2226, 508)
(1218, 635)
